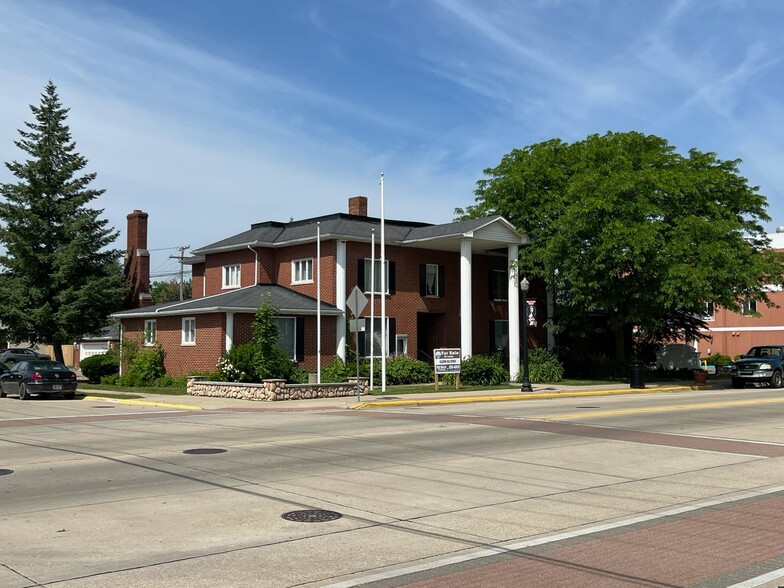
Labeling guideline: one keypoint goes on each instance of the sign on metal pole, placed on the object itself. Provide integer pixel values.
(356, 301)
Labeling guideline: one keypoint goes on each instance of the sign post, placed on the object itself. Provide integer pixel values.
(447, 361)
(356, 302)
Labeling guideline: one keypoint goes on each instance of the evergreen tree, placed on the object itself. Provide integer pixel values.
(59, 280)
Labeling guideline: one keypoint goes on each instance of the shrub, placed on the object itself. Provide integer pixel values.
(481, 370)
(718, 359)
(98, 366)
(543, 366)
(111, 379)
(237, 364)
(336, 372)
(145, 368)
(404, 370)
(273, 364)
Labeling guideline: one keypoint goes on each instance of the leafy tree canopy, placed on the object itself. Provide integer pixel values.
(170, 291)
(59, 279)
(622, 224)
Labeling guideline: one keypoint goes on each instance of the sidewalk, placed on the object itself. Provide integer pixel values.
(390, 399)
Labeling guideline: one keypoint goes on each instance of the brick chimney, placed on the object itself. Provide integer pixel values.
(137, 261)
(357, 205)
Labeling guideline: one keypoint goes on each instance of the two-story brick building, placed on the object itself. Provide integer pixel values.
(447, 285)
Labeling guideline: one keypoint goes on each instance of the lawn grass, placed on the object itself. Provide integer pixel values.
(169, 390)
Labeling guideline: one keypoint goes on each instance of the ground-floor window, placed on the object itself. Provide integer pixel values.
(499, 335)
(189, 331)
(401, 345)
(287, 335)
(150, 332)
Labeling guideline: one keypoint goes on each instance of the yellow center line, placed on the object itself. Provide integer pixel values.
(724, 404)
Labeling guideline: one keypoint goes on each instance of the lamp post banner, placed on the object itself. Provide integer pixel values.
(530, 311)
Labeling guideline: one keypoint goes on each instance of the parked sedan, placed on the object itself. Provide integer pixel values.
(39, 376)
(14, 354)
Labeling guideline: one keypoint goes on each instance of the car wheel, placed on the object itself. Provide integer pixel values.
(2, 392)
(776, 380)
(738, 383)
(23, 393)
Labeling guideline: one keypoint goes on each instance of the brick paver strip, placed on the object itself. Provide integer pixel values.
(675, 553)
(596, 432)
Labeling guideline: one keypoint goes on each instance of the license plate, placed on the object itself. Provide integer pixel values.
(57, 386)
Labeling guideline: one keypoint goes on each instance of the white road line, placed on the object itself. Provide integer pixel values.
(759, 580)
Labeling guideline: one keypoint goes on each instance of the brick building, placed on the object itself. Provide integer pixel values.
(734, 333)
(447, 285)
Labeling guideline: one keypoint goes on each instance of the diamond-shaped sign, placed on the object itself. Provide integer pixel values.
(356, 301)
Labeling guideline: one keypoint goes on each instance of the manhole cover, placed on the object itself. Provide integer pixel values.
(311, 516)
(204, 451)
(6, 472)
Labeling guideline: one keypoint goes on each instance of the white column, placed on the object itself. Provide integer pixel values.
(340, 297)
(466, 334)
(229, 330)
(513, 297)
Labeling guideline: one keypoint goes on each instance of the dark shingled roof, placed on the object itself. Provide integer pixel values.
(246, 299)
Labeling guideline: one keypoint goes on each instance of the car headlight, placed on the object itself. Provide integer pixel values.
(765, 366)
(733, 367)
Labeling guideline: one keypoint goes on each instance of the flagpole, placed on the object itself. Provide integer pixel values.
(318, 303)
(372, 299)
(383, 297)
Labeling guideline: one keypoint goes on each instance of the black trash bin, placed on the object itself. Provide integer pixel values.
(637, 375)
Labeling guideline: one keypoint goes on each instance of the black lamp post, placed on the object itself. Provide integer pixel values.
(526, 387)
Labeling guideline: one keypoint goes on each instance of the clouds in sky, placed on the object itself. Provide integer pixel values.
(211, 116)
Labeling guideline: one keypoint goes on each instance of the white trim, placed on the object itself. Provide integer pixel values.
(229, 331)
(296, 276)
(185, 332)
(514, 311)
(745, 329)
(152, 326)
(227, 274)
(340, 296)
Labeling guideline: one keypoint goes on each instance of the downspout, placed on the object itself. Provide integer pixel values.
(256, 264)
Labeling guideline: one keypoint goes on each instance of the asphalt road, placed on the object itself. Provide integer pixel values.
(663, 489)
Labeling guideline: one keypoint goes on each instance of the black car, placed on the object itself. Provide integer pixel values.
(14, 354)
(40, 376)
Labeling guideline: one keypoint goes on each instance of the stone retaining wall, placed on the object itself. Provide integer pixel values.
(272, 390)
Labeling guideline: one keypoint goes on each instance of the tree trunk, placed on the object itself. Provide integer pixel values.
(58, 352)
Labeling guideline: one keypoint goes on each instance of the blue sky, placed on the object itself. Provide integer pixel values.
(213, 115)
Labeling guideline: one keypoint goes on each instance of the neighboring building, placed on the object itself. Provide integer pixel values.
(734, 333)
(447, 285)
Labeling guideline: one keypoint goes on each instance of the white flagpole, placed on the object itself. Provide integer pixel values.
(318, 303)
(383, 297)
(372, 299)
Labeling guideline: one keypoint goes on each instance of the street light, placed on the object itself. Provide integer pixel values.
(526, 387)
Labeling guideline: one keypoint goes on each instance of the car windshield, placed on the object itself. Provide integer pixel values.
(764, 352)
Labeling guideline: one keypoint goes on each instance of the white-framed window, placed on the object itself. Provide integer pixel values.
(287, 335)
(302, 271)
(376, 275)
(231, 276)
(710, 312)
(189, 331)
(401, 345)
(749, 307)
(376, 331)
(150, 332)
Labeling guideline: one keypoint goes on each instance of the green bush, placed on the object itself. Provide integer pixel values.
(718, 359)
(96, 367)
(237, 364)
(145, 368)
(111, 379)
(482, 370)
(336, 372)
(543, 366)
(273, 364)
(404, 370)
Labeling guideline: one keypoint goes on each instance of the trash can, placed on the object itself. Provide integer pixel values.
(637, 375)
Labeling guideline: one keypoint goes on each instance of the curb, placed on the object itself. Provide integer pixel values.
(525, 396)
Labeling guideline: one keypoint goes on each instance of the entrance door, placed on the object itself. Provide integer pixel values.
(430, 334)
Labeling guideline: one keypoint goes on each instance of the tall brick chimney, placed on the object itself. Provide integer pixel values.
(137, 261)
(357, 205)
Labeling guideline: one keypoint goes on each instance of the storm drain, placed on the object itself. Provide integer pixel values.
(6, 472)
(204, 451)
(311, 516)
(587, 406)
(104, 406)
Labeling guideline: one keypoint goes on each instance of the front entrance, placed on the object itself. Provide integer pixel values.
(430, 334)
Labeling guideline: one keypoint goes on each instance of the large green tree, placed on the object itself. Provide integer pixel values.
(170, 291)
(625, 227)
(59, 278)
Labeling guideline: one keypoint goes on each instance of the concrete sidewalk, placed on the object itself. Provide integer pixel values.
(390, 399)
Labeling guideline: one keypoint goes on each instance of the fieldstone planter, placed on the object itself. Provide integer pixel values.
(274, 390)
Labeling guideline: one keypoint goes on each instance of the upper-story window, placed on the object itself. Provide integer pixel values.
(710, 312)
(150, 332)
(499, 285)
(231, 276)
(431, 280)
(302, 271)
(372, 271)
(749, 307)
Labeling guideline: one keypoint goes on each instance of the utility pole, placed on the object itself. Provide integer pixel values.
(179, 258)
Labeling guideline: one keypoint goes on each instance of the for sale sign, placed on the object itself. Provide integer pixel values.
(446, 361)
